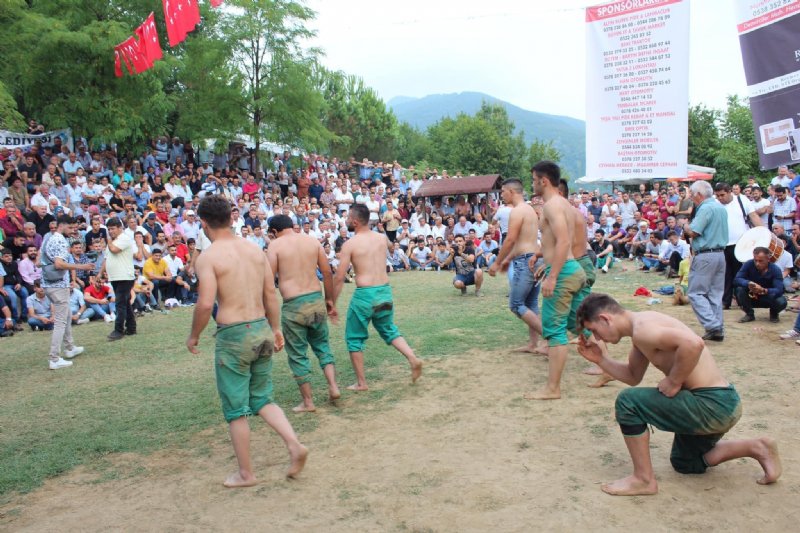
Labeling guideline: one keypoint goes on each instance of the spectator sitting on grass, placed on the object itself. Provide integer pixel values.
(604, 251)
(421, 257)
(100, 299)
(79, 311)
(441, 257)
(396, 260)
(487, 251)
(40, 310)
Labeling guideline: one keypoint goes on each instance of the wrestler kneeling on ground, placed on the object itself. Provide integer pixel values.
(694, 400)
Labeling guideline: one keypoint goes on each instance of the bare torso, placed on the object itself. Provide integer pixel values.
(294, 258)
(528, 238)
(367, 251)
(557, 207)
(579, 243)
(705, 373)
(239, 267)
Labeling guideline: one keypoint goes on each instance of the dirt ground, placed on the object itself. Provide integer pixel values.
(459, 451)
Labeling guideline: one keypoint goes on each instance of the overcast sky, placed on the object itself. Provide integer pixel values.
(526, 53)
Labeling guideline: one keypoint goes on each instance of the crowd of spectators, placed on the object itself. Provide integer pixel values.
(156, 196)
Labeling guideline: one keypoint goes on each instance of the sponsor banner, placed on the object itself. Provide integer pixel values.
(768, 31)
(637, 95)
(10, 139)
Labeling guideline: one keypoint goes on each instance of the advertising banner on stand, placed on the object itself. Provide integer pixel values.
(768, 36)
(11, 140)
(637, 89)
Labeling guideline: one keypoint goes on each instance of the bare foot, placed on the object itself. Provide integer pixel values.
(304, 408)
(535, 350)
(544, 394)
(630, 486)
(358, 388)
(237, 481)
(770, 461)
(333, 393)
(298, 456)
(593, 370)
(416, 371)
(602, 381)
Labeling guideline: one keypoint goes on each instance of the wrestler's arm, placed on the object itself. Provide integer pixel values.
(341, 272)
(206, 294)
(514, 226)
(687, 349)
(271, 309)
(327, 283)
(597, 352)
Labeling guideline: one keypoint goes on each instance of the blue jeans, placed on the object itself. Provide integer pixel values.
(523, 293)
(101, 310)
(415, 264)
(486, 263)
(18, 302)
(87, 313)
(36, 323)
(649, 262)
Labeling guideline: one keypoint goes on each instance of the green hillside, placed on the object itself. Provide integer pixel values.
(568, 134)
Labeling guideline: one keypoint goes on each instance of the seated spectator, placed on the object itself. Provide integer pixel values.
(441, 257)
(9, 326)
(604, 251)
(186, 293)
(420, 257)
(29, 269)
(80, 312)
(673, 252)
(786, 265)
(40, 314)
(637, 245)
(157, 272)
(396, 260)
(31, 237)
(16, 246)
(12, 288)
(143, 301)
(77, 257)
(759, 284)
(681, 295)
(100, 299)
(651, 259)
(487, 251)
(462, 255)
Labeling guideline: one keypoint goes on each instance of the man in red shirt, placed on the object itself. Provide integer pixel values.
(182, 250)
(303, 184)
(99, 298)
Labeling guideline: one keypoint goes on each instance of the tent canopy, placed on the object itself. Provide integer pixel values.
(456, 186)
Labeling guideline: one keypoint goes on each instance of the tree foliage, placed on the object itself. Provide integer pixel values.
(704, 140)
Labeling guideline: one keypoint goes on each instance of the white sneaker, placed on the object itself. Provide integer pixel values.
(82, 321)
(108, 318)
(791, 334)
(113, 317)
(55, 365)
(74, 352)
(605, 269)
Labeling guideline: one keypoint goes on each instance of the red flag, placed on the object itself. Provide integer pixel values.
(216, 3)
(117, 65)
(182, 16)
(148, 40)
(133, 55)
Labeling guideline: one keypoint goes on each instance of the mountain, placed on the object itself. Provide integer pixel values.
(568, 134)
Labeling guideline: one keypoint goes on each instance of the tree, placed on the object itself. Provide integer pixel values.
(278, 92)
(542, 151)
(738, 153)
(704, 138)
(10, 118)
(412, 145)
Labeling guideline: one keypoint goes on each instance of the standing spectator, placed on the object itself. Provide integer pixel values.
(391, 221)
(709, 233)
(119, 266)
(784, 209)
(782, 179)
(741, 216)
(13, 290)
(627, 209)
(55, 281)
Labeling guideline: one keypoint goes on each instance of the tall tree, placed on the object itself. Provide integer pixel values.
(278, 93)
(543, 151)
(738, 153)
(704, 139)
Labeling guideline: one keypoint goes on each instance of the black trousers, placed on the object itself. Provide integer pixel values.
(126, 320)
(732, 266)
(775, 305)
(675, 261)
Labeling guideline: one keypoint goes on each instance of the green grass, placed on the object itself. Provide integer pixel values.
(148, 392)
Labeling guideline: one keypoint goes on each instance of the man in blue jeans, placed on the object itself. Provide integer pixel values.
(519, 246)
(41, 313)
(12, 287)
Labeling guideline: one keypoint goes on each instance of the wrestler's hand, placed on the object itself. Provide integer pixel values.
(505, 264)
(532, 263)
(548, 286)
(278, 345)
(668, 388)
(333, 314)
(191, 344)
(493, 269)
(538, 274)
(589, 349)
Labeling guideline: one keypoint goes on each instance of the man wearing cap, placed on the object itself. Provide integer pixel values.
(190, 226)
(151, 226)
(172, 225)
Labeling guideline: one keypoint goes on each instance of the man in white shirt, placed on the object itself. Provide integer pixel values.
(761, 205)
(784, 209)
(118, 264)
(782, 179)
(438, 230)
(741, 215)
(43, 197)
(415, 184)
(627, 208)
(344, 199)
(420, 256)
(190, 225)
(71, 165)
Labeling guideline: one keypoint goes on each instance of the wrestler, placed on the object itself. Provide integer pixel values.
(243, 354)
(295, 258)
(564, 277)
(521, 245)
(372, 299)
(694, 400)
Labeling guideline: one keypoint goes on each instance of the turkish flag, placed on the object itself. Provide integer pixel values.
(148, 40)
(117, 64)
(216, 3)
(133, 55)
(182, 16)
